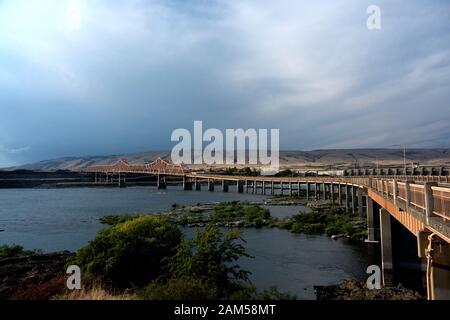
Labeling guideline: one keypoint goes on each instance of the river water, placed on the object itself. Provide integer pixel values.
(65, 219)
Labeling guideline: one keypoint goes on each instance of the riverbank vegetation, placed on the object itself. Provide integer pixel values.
(14, 251)
(335, 222)
(150, 257)
(332, 221)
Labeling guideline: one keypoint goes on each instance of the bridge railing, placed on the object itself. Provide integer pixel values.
(426, 198)
(441, 202)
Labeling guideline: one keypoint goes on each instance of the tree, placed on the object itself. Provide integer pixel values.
(211, 258)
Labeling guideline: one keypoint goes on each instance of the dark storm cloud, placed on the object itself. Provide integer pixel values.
(97, 77)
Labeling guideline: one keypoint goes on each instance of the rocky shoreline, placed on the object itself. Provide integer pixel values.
(351, 289)
(42, 277)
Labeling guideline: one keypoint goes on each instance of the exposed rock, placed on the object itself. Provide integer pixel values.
(351, 289)
(20, 274)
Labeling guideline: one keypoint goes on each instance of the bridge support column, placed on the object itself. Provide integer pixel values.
(247, 186)
(307, 191)
(353, 190)
(332, 192)
(347, 197)
(161, 182)
(386, 247)
(281, 188)
(224, 186)
(210, 185)
(187, 185)
(340, 194)
(240, 187)
(290, 189)
(299, 187)
(316, 191)
(272, 188)
(324, 191)
(360, 204)
(95, 179)
(264, 187)
(370, 221)
(255, 187)
(198, 185)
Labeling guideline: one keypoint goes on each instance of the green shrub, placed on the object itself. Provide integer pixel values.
(116, 219)
(296, 228)
(14, 251)
(130, 253)
(313, 228)
(211, 258)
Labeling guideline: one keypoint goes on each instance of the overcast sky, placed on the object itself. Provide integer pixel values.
(100, 77)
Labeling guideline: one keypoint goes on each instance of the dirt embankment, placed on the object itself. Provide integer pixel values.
(36, 277)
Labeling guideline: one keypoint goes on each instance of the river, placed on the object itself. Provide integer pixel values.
(65, 219)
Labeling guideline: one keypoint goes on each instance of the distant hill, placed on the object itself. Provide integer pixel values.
(338, 158)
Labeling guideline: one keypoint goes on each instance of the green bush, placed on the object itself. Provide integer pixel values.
(15, 251)
(313, 228)
(210, 257)
(234, 210)
(296, 228)
(130, 253)
(116, 219)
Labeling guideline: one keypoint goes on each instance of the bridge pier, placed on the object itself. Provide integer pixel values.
(316, 191)
(347, 197)
(340, 194)
(240, 187)
(332, 192)
(255, 187)
(224, 186)
(307, 191)
(187, 185)
(272, 188)
(371, 231)
(386, 247)
(360, 204)
(290, 189)
(210, 185)
(198, 185)
(161, 182)
(263, 187)
(353, 191)
(121, 184)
